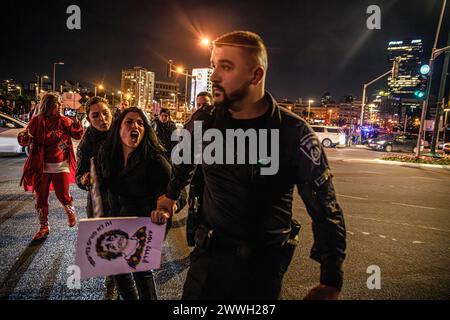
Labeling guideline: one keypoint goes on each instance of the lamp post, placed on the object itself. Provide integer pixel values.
(363, 102)
(54, 73)
(309, 107)
(330, 111)
(20, 90)
(174, 100)
(40, 82)
(120, 94)
(100, 87)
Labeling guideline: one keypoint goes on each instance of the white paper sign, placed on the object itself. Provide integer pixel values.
(109, 246)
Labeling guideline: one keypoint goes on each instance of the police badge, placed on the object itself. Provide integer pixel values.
(310, 146)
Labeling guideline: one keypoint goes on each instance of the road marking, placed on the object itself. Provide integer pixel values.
(413, 206)
(426, 178)
(365, 233)
(417, 242)
(350, 233)
(398, 223)
(372, 172)
(381, 236)
(351, 197)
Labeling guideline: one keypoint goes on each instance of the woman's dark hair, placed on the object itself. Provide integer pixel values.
(94, 100)
(112, 152)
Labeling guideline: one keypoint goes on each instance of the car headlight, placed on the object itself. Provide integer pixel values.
(381, 142)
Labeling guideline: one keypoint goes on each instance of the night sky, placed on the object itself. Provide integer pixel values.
(314, 46)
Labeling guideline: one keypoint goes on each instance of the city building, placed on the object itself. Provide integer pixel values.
(405, 77)
(201, 81)
(167, 95)
(350, 112)
(138, 85)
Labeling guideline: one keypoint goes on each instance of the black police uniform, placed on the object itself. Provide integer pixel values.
(244, 248)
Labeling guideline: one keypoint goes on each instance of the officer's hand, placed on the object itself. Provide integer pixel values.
(322, 292)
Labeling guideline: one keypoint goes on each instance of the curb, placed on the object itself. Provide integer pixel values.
(399, 163)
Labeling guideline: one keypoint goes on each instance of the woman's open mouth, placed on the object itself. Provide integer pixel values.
(134, 136)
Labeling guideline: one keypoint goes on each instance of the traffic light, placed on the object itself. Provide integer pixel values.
(169, 69)
(422, 87)
(419, 94)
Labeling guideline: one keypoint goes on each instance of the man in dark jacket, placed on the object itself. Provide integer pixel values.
(195, 200)
(248, 240)
(164, 128)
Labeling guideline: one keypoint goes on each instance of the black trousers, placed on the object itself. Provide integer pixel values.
(136, 285)
(219, 273)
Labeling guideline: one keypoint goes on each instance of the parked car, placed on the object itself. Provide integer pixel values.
(372, 142)
(446, 147)
(399, 143)
(9, 129)
(329, 136)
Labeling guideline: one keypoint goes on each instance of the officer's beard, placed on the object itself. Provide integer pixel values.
(230, 98)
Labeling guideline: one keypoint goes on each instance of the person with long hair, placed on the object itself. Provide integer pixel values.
(133, 171)
(51, 162)
(100, 118)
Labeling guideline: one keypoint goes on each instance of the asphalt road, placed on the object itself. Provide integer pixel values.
(397, 218)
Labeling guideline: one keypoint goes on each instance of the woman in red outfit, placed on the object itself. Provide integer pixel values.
(51, 164)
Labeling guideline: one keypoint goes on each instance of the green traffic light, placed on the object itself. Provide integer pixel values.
(419, 94)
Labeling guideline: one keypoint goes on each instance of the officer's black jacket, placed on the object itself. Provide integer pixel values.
(164, 132)
(242, 204)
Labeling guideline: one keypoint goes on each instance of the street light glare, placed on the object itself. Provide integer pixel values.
(180, 69)
(205, 42)
(100, 87)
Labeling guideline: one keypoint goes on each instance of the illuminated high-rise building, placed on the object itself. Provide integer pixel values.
(201, 81)
(405, 77)
(138, 86)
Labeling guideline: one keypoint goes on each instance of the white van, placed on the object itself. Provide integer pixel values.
(329, 136)
(9, 129)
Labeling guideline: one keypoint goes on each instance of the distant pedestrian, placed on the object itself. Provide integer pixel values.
(164, 127)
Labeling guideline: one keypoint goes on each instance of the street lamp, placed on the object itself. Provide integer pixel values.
(363, 102)
(100, 87)
(205, 42)
(120, 93)
(54, 73)
(309, 107)
(20, 90)
(330, 111)
(174, 99)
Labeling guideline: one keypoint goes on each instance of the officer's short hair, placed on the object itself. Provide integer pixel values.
(205, 94)
(248, 41)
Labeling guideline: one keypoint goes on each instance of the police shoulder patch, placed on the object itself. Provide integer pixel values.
(310, 146)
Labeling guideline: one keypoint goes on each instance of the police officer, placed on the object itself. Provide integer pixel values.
(195, 200)
(246, 244)
(164, 127)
